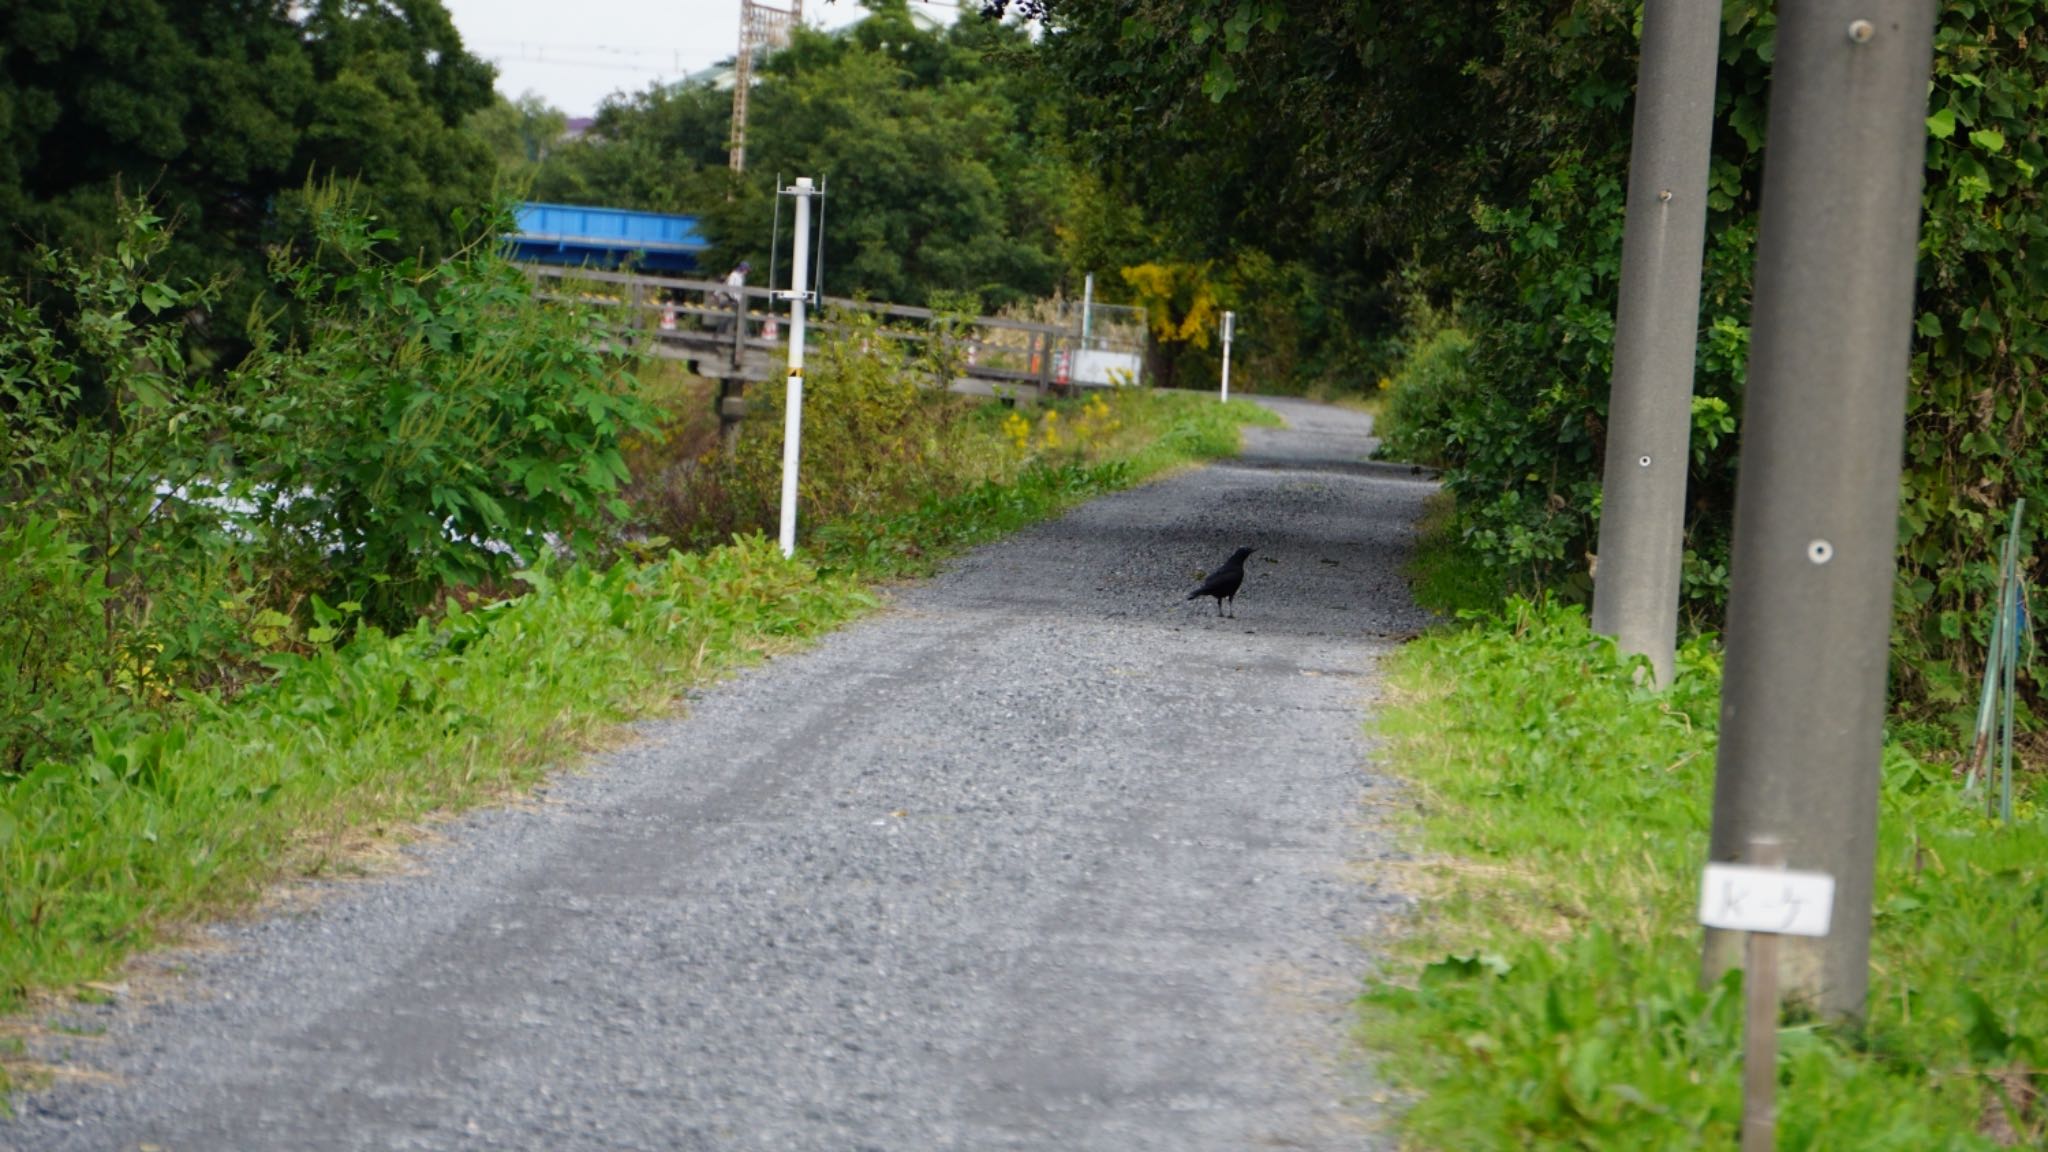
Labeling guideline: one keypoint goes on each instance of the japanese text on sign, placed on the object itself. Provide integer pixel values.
(1747, 899)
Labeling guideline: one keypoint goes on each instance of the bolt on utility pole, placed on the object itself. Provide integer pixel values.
(793, 407)
(1229, 323)
(1817, 501)
(1649, 408)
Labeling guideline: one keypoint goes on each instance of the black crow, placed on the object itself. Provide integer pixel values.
(1223, 582)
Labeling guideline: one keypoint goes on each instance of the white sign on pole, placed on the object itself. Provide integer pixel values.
(1742, 898)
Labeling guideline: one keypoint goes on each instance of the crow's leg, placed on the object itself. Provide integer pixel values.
(1233, 607)
(1219, 607)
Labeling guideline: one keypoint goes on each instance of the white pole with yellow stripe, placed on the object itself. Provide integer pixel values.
(793, 410)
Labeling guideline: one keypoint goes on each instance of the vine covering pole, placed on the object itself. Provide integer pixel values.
(1817, 502)
(1649, 409)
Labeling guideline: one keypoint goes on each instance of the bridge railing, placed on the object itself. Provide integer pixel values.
(699, 320)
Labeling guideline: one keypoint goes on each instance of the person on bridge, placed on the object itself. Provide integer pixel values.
(729, 299)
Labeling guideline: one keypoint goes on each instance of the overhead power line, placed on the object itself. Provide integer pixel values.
(600, 65)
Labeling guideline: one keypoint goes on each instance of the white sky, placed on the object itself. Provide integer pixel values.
(575, 52)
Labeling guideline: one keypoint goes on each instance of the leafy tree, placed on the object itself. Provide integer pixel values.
(521, 134)
(1253, 164)
(936, 182)
(1181, 312)
(433, 426)
(660, 150)
(945, 162)
(217, 111)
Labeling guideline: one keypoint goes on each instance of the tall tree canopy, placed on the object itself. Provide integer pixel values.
(219, 111)
(659, 150)
(946, 164)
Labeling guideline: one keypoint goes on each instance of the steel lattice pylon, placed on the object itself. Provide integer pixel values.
(763, 27)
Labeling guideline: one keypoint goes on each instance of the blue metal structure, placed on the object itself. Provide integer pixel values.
(578, 236)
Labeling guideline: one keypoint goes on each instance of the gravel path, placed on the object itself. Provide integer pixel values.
(1041, 857)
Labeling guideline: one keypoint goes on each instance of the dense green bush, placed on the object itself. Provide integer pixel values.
(173, 523)
(1530, 439)
(874, 436)
(52, 642)
(443, 425)
(1434, 379)
(121, 588)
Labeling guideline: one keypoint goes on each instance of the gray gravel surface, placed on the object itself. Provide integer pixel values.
(1040, 857)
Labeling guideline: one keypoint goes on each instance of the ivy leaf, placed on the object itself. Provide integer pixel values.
(1221, 79)
(1942, 124)
(1989, 139)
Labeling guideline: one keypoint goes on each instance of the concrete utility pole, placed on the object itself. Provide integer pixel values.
(793, 408)
(1649, 408)
(1816, 513)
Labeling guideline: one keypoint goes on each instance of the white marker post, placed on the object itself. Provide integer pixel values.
(793, 410)
(1766, 901)
(1229, 323)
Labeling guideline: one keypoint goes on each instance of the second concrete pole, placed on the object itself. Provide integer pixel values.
(1649, 410)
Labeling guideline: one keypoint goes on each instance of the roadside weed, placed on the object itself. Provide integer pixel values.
(1548, 996)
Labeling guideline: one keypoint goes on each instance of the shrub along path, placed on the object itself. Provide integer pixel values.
(1040, 857)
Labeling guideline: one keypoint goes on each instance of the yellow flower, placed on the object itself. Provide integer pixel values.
(1018, 429)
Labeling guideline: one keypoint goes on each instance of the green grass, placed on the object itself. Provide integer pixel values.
(1444, 575)
(101, 857)
(1548, 995)
(1157, 432)
(347, 748)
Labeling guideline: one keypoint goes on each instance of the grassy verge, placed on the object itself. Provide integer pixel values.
(1153, 432)
(349, 745)
(1548, 996)
(1442, 576)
